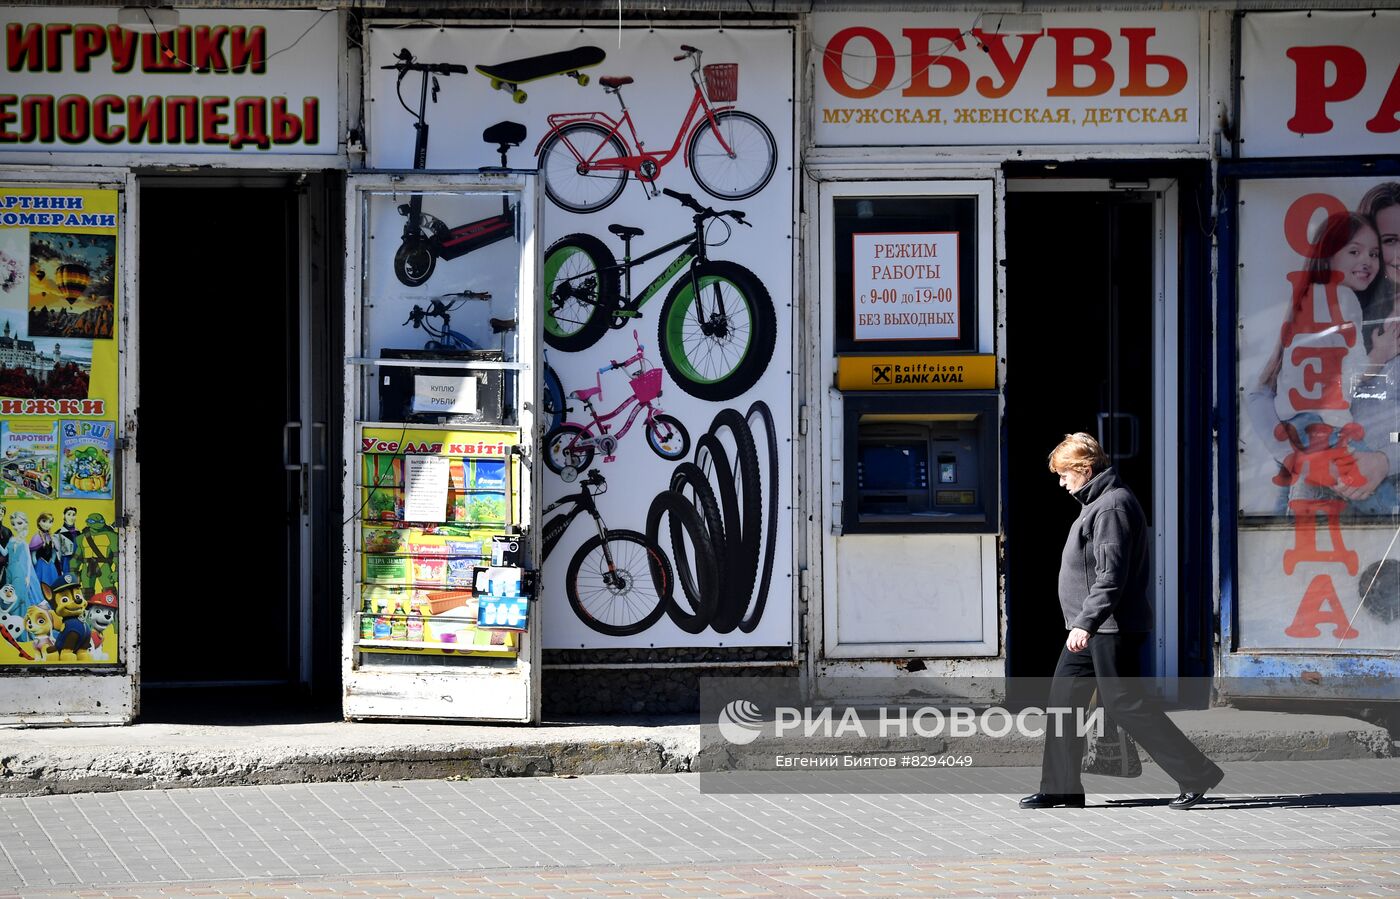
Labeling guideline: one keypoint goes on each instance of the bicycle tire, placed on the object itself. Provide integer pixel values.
(712, 459)
(559, 168)
(739, 176)
(577, 458)
(552, 401)
(770, 516)
(414, 261)
(743, 567)
(580, 279)
(741, 355)
(640, 615)
(654, 437)
(699, 586)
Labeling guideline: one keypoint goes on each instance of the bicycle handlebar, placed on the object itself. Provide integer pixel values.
(689, 202)
(471, 294)
(406, 63)
(689, 49)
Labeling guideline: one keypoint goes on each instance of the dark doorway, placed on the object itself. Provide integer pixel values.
(1079, 324)
(237, 316)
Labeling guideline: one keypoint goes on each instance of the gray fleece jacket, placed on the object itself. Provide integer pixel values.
(1106, 569)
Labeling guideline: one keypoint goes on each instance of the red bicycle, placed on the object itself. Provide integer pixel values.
(569, 448)
(585, 158)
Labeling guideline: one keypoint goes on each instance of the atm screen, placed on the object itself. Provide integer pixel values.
(894, 466)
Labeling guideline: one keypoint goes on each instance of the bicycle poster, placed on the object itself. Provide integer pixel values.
(666, 160)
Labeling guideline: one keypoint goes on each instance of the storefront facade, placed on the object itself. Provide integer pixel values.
(495, 249)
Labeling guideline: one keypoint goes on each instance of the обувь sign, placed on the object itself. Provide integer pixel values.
(950, 78)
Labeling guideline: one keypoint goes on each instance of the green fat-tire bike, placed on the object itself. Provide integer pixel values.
(717, 327)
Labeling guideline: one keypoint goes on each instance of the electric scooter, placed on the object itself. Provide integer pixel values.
(426, 238)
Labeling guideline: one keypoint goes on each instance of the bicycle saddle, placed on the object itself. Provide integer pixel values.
(587, 393)
(626, 231)
(615, 82)
(512, 133)
(502, 324)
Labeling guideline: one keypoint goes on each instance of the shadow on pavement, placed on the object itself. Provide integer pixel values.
(1306, 800)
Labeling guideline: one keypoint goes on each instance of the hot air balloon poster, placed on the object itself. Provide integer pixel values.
(71, 285)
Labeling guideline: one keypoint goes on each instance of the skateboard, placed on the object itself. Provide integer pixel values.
(510, 75)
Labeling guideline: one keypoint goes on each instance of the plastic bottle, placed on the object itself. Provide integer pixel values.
(381, 622)
(413, 628)
(367, 620)
(398, 623)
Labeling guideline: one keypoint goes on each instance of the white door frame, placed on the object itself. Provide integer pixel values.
(1166, 294)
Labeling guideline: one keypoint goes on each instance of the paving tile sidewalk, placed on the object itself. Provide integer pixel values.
(1293, 874)
(644, 835)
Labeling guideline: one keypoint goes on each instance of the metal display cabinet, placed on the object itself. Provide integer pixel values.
(440, 472)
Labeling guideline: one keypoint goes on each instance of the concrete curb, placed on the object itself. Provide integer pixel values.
(161, 756)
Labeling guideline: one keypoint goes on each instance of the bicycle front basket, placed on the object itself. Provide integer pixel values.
(722, 82)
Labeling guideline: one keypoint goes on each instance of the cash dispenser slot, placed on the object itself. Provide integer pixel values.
(920, 462)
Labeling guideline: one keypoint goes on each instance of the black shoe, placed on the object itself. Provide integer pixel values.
(1051, 800)
(1188, 798)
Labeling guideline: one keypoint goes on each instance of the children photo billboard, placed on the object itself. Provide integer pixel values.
(665, 157)
(59, 597)
(1319, 401)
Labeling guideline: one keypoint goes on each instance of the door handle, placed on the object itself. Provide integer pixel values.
(1133, 426)
(318, 439)
(287, 462)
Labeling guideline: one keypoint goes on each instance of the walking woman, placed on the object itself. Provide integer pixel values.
(1105, 582)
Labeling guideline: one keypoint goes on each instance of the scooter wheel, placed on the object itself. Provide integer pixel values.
(414, 262)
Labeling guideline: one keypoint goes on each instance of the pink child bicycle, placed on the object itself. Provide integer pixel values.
(569, 448)
(585, 157)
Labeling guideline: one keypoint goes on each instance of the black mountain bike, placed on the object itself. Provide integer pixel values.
(618, 582)
(717, 327)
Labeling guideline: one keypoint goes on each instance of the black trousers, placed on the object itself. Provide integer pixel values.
(1111, 662)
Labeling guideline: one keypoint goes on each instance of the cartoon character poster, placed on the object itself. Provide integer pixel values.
(59, 541)
(86, 467)
(1319, 406)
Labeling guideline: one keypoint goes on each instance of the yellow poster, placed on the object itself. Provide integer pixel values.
(59, 285)
(421, 537)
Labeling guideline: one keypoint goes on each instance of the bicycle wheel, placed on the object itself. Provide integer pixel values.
(667, 437)
(699, 583)
(744, 534)
(619, 588)
(562, 449)
(719, 347)
(414, 261)
(551, 400)
(570, 179)
(745, 172)
(581, 287)
(769, 433)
